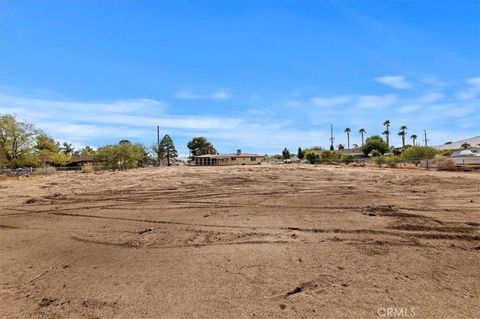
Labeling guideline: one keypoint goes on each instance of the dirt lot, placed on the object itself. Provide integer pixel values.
(286, 241)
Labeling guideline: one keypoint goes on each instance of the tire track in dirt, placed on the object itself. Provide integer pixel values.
(404, 234)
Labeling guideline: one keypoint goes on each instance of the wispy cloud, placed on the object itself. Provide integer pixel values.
(330, 101)
(221, 95)
(83, 121)
(394, 81)
(431, 97)
(472, 90)
(265, 127)
(376, 101)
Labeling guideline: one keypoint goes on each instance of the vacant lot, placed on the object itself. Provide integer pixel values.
(283, 241)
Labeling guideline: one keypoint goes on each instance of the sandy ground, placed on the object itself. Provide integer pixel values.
(286, 241)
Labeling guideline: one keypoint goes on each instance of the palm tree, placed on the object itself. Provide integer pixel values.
(414, 139)
(348, 130)
(67, 148)
(362, 131)
(403, 133)
(387, 131)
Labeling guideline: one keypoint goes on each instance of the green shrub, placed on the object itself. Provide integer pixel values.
(331, 155)
(445, 153)
(418, 153)
(379, 160)
(311, 156)
(376, 153)
(391, 160)
(347, 158)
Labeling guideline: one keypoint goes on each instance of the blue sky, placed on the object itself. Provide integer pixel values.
(255, 75)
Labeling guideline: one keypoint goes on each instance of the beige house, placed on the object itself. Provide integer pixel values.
(238, 158)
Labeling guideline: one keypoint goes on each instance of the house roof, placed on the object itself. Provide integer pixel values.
(81, 158)
(474, 141)
(474, 151)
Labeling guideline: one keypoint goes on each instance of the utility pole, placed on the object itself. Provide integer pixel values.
(425, 139)
(332, 139)
(158, 145)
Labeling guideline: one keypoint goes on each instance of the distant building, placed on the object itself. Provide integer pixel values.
(470, 152)
(355, 152)
(238, 158)
(80, 160)
(473, 142)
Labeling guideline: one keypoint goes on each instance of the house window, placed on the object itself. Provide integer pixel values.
(233, 158)
(253, 159)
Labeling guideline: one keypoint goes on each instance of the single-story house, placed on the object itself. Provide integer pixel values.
(238, 158)
(80, 160)
(355, 152)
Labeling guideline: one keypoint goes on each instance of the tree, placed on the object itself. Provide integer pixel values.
(414, 139)
(355, 145)
(201, 146)
(375, 142)
(87, 150)
(362, 132)
(67, 149)
(47, 149)
(17, 140)
(45, 145)
(348, 130)
(285, 153)
(300, 153)
(341, 147)
(403, 134)
(166, 149)
(61, 159)
(465, 145)
(386, 123)
(124, 155)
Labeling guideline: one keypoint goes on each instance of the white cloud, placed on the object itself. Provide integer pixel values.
(408, 108)
(376, 101)
(330, 101)
(187, 95)
(433, 81)
(82, 121)
(431, 97)
(122, 106)
(219, 96)
(394, 81)
(293, 103)
(472, 91)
